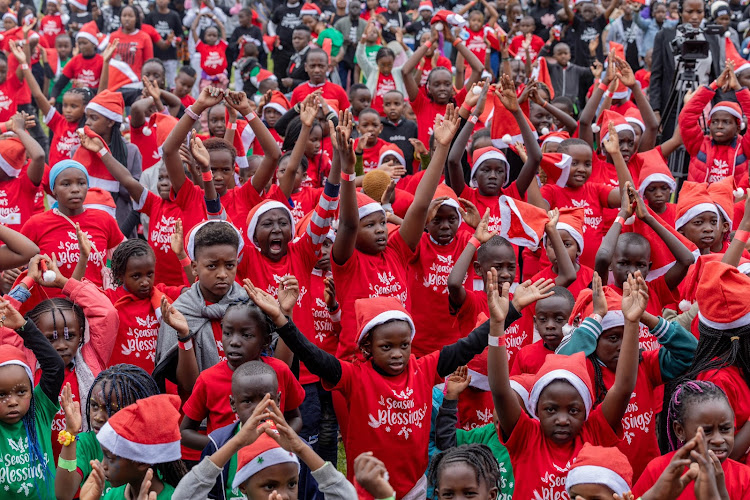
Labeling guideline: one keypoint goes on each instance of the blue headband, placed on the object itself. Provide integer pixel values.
(64, 165)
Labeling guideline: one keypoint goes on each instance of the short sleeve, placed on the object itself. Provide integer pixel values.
(604, 194)
(149, 204)
(195, 407)
(69, 69)
(45, 409)
(349, 376)
(548, 193)
(651, 366)
(223, 45)
(597, 431)
(294, 393)
(526, 433)
(86, 449)
(199, 46)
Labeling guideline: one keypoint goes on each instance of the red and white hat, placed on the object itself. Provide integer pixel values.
(258, 210)
(243, 140)
(662, 259)
(521, 223)
(375, 311)
(572, 369)
(728, 106)
(694, 200)
(504, 129)
(722, 192)
(392, 150)
(446, 16)
(425, 5)
(599, 465)
(634, 117)
(740, 63)
(81, 4)
(557, 167)
(264, 452)
(689, 286)
(584, 307)
(278, 102)
(482, 155)
(99, 199)
(148, 431)
(310, 9)
(521, 385)
(10, 15)
(12, 156)
(90, 32)
(654, 169)
(190, 240)
(572, 221)
(159, 125)
(621, 125)
(443, 190)
(367, 206)
(109, 104)
(99, 176)
(12, 355)
(556, 136)
(722, 297)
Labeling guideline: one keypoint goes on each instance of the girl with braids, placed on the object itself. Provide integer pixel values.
(467, 470)
(698, 405)
(600, 337)
(26, 410)
(113, 389)
(319, 162)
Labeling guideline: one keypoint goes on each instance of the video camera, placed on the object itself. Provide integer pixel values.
(689, 47)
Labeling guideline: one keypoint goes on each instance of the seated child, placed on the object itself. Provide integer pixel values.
(697, 217)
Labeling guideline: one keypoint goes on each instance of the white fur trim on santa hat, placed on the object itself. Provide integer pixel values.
(391, 152)
(80, 5)
(728, 109)
(577, 237)
(268, 458)
(738, 323)
(744, 268)
(370, 208)
(308, 12)
(274, 105)
(724, 214)
(612, 319)
(623, 94)
(106, 113)
(489, 155)
(657, 178)
(385, 317)
(98, 206)
(453, 203)
(550, 377)
(553, 138)
(635, 121)
(623, 127)
(106, 184)
(138, 452)
(8, 168)
(480, 380)
(593, 474)
(88, 36)
(22, 365)
(190, 245)
(520, 390)
(694, 212)
(261, 210)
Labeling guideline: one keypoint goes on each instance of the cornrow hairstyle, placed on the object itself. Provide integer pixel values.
(216, 234)
(259, 317)
(477, 456)
(384, 52)
(219, 144)
(495, 241)
(122, 385)
(57, 306)
(86, 95)
(684, 396)
(304, 163)
(133, 247)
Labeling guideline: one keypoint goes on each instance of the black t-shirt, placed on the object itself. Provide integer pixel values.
(583, 33)
(544, 18)
(285, 19)
(164, 24)
(631, 49)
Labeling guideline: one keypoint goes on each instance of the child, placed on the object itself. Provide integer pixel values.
(700, 408)
(86, 66)
(697, 217)
(168, 24)
(368, 145)
(51, 25)
(316, 65)
(449, 471)
(113, 389)
(599, 472)
(397, 129)
(183, 85)
(722, 153)
(383, 76)
(561, 398)
(212, 48)
(316, 163)
(360, 98)
(657, 185)
(28, 409)
(272, 106)
(566, 76)
(475, 32)
(141, 449)
(136, 46)
(527, 44)
(550, 318)
(588, 24)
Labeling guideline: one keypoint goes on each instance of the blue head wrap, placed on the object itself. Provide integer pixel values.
(64, 165)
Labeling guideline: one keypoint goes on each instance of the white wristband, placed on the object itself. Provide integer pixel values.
(102, 152)
(250, 117)
(493, 341)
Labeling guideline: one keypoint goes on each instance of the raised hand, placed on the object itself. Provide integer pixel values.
(94, 486)
(554, 218)
(143, 492)
(395, 171)
(199, 151)
(288, 293)
(508, 94)
(93, 144)
(372, 475)
(84, 244)
(482, 232)
(596, 69)
(29, 121)
(265, 301)
(435, 205)
(17, 52)
(469, 212)
(640, 207)
(625, 72)
(527, 292)
(238, 101)
(634, 297)
(72, 410)
(497, 299)
(599, 300)
(362, 141)
(612, 143)
(16, 123)
(329, 293)
(110, 50)
(445, 127)
(177, 240)
(284, 434)
(308, 111)
(174, 318)
(255, 425)
(419, 147)
(37, 274)
(732, 82)
(9, 317)
(389, 195)
(209, 97)
(457, 383)
(151, 89)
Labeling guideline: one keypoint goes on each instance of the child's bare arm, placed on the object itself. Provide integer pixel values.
(308, 110)
(670, 145)
(566, 272)
(456, 290)
(346, 237)
(117, 169)
(191, 438)
(17, 249)
(607, 249)
(407, 70)
(627, 77)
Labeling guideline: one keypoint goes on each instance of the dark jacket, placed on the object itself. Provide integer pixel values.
(216, 440)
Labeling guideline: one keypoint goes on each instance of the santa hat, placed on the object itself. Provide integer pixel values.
(148, 431)
(482, 155)
(600, 465)
(654, 169)
(621, 125)
(162, 124)
(11, 355)
(571, 369)
(443, 190)
(278, 102)
(81, 4)
(258, 210)
(722, 193)
(121, 74)
(109, 104)
(264, 452)
(12, 156)
(541, 74)
(99, 176)
(720, 8)
(425, 5)
(556, 136)
(694, 200)
(90, 32)
(367, 206)
(557, 167)
(393, 150)
(375, 311)
(721, 297)
(522, 384)
(740, 63)
(730, 107)
(689, 285)
(504, 129)
(448, 17)
(662, 259)
(310, 9)
(572, 221)
(190, 240)
(99, 199)
(243, 140)
(10, 15)
(584, 307)
(633, 117)
(521, 223)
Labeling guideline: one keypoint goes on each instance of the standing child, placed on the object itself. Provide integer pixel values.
(183, 85)
(212, 46)
(84, 67)
(51, 25)
(168, 24)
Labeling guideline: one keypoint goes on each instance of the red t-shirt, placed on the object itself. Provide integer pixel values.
(371, 156)
(146, 144)
(210, 397)
(484, 202)
(425, 66)
(187, 100)
(530, 358)
(544, 465)
(426, 109)
(385, 84)
(592, 197)
(64, 137)
(516, 46)
(17, 197)
(22, 90)
(8, 90)
(49, 28)
(54, 235)
(258, 149)
(323, 334)
(305, 200)
(390, 416)
(188, 200)
(329, 91)
(86, 71)
(213, 57)
(366, 276)
(584, 276)
(475, 43)
(134, 49)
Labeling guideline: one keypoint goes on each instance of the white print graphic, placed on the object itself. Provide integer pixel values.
(5, 101)
(437, 274)
(646, 341)
(384, 87)
(67, 142)
(718, 170)
(161, 234)
(142, 340)
(635, 420)
(493, 224)
(271, 290)
(484, 416)
(322, 320)
(388, 287)
(68, 253)
(15, 468)
(554, 484)
(515, 339)
(297, 211)
(398, 412)
(214, 60)
(589, 220)
(8, 215)
(88, 79)
(51, 28)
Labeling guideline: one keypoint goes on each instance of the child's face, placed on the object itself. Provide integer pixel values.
(393, 5)
(271, 115)
(222, 168)
(660, 13)
(51, 9)
(70, 189)
(629, 258)
(588, 11)
(657, 195)
(540, 118)
(316, 66)
(274, 232)
(502, 259)
(460, 481)
(580, 166)
(608, 347)
(562, 55)
(163, 185)
(9, 24)
(282, 478)
(247, 392)
(73, 108)
(310, 22)
(211, 36)
(98, 415)
(490, 176)
(183, 84)
(312, 146)
(98, 123)
(571, 247)
(360, 100)
(703, 230)
(372, 234)
(243, 336)
(723, 20)
(717, 420)
(385, 65)
(127, 18)
(243, 19)
(744, 78)
(154, 71)
(723, 127)
(527, 25)
(370, 123)
(476, 20)
(627, 145)
(390, 346)
(440, 86)
(550, 315)
(63, 46)
(591, 491)
(139, 275)
(299, 176)
(393, 105)
(443, 227)
(85, 47)
(324, 260)
(162, 4)
(120, 471)
(561, 412)
(66, 348)
(372, 4)
(217, 124)
(15, 394)
(216, 268)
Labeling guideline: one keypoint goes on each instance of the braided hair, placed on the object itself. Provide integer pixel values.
(123, 385)
(258, 316)
(86, 95)
(293, 130)
(134, 247)
(477, 456)
(38, 467)
(684, 396)
(57, 306)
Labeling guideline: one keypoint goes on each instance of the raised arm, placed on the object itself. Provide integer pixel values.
(107, 56)
(737, 246)
(627, 77)
(454, 170)
(689, 119)
(456, 290)
(588, 115)
(117, 169)
(612, 147)
(35, 170)
(308, 110)
(477, 66)
(17, 249)
(36, 92)
(567, 121)
(343, 148)
(407, 70)
(566, 271)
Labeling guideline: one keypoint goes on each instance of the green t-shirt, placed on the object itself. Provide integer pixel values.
(17, 478)
(88, 449)
(337, 40)
(119, 493)
(371, 51)
(487, 434)
(233, 493)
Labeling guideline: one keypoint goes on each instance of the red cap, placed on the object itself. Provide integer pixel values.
(572, 221)
(12, 156)
(481, 155)
(109, 104)
(258, 210)
(572, 369)
(557, 167)
(599, 465)
(722, 192)
(99, 199)
(621, 125)
(393, 150)
(721, 297)
(521, 223)
(654, 169)
(375, 311)
(262, 453)
(694, 200)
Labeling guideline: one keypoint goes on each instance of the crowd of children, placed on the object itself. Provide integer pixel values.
(449, 240)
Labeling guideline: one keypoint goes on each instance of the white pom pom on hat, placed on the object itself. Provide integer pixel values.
(739, 193)
(545, 131)
(507, 139)
(595, 128)
(147, 131)
(685, 305)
